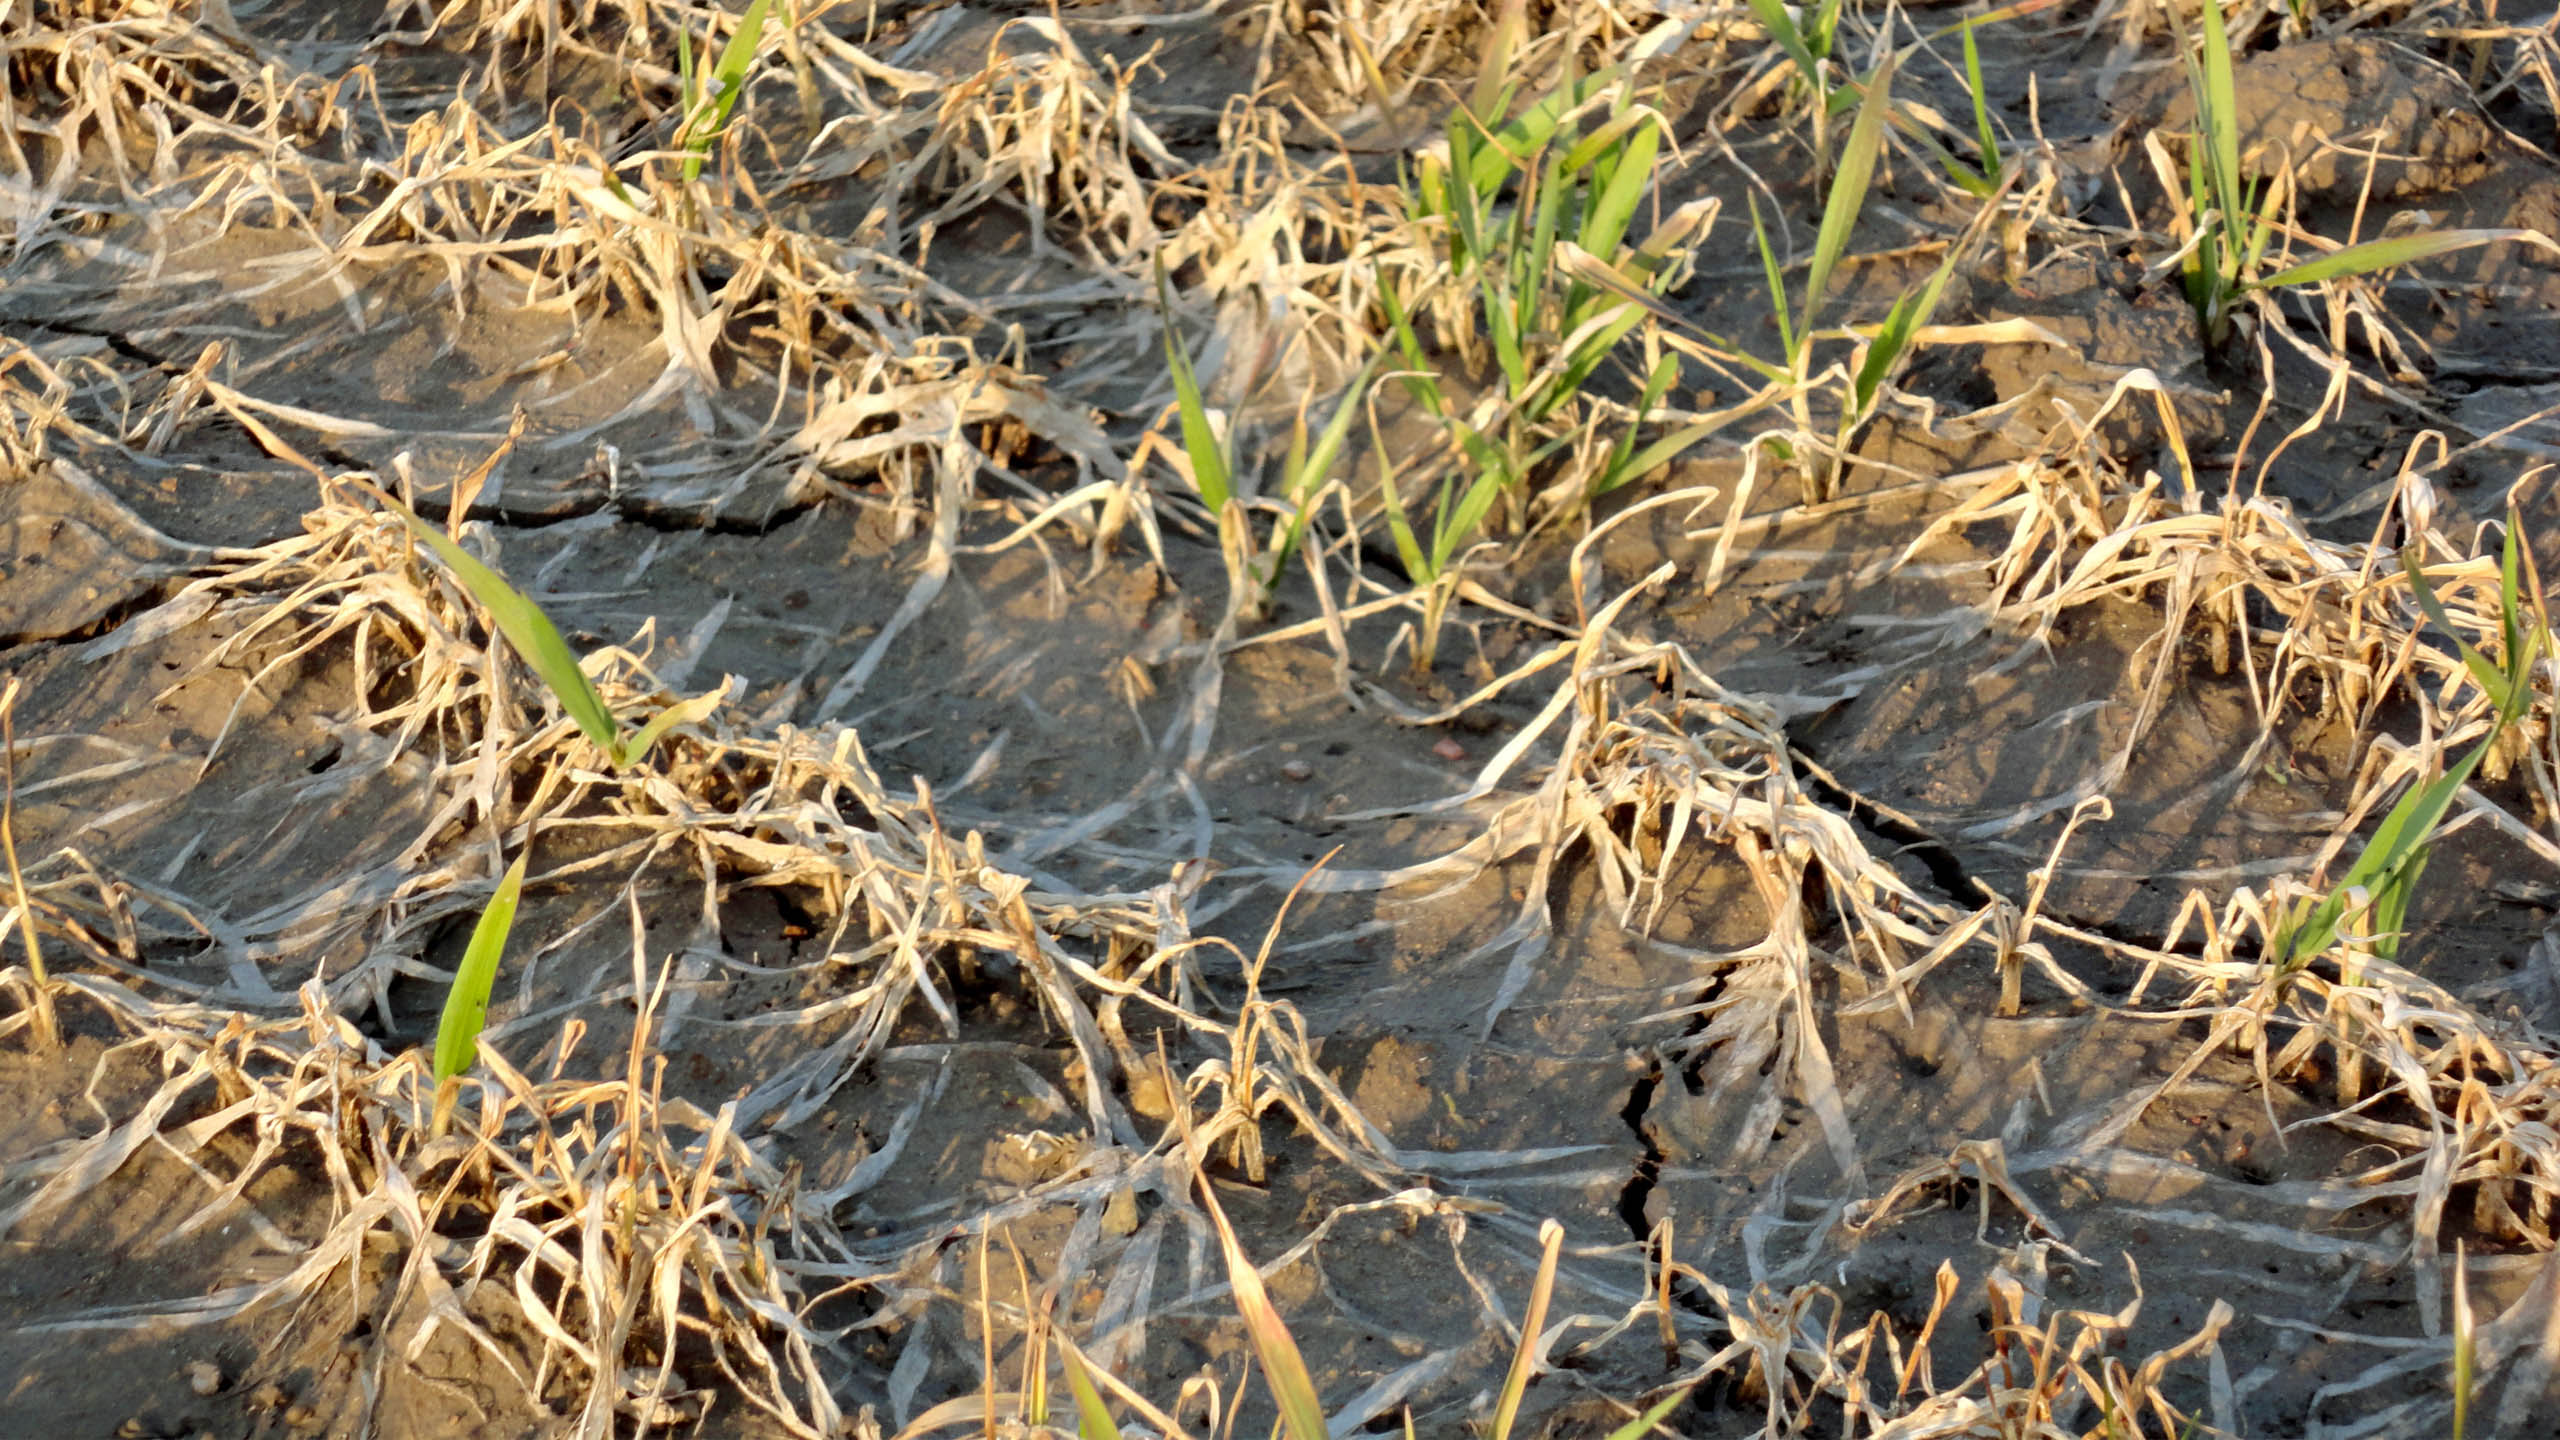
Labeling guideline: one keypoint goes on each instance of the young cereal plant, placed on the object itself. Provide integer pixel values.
(534, 638)
(1214, 469)
(2229, 219)
(2384, 878)
(709, 99)
(1983, 176)
(1809, 35)
(1570, 187)
(1808, 43)
(1530, 215)
(1890, 341)
(466, 1003)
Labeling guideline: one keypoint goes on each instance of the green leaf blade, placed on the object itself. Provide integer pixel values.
(532, 635)
(466, 1004)
(1848, 189)
(2387, 254)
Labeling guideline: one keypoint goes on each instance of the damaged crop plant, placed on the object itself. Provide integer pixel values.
(1297, 717)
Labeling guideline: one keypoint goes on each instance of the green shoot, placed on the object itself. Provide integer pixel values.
(1809, 46)
(1200, 443)
(1214, 468)
(530, 632)
(2230, 219)
(1849, 186)
(1798, 321)
(707, 110)
(1284, 1369)
(1531, 215)
(466, 1005)
(1516, 1383)
(1093, 1418)
(2384, 877)
(1643, 1424)
(1981, 176)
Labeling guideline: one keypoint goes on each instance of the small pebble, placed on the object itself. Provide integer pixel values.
(1147, 1096)
(300, 1417)
(204, 1377)
(134, 1429)
(1297, 769)
(1448, 749)
(269, 1396)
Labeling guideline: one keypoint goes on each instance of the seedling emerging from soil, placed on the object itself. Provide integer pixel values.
(538, 640)
(1809, 45)
(466, 1004)
(2384, 878)
(2229, 219)
(1572, 186)
(1215, 466)
(1981, 176)
(1556, 288)
(708, 105)
(1892, 338)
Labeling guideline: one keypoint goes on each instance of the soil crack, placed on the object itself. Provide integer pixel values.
(1638, 1191)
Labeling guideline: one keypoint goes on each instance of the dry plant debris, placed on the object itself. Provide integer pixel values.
(1806, 885)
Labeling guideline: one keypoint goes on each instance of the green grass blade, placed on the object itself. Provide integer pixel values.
(1781, 26)
(1890, 338)
(1308, 467)
(728, 81)
(1209, 472)
(1093, 1418)
(1493, 80)
(1502, 324)
(1283, 1368)
(1591, 152)
(2391, 903)
(1467, 201)
(1661, 452)
(686, 712)
(1825, 28)
(1848, 189)
(1982, 128)
(2492, 680)
(2412, 822)
(2402, 834)
(2218, 115)
(466, 1005)
(1498, 152)
(1643, 1424)
(1613, 210)
(2523, 646)
(532, 635)
(686, 90)
(1777, 285)
(1417, 566)
(1419, 378)
(1893, 337)
(1456, 524)
(1585, 359)
(1656, 385)
(1328, 446)
(1515, 1383)
(2389, 254)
